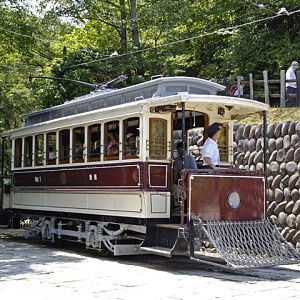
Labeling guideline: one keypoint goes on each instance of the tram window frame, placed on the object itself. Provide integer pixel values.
(39, 150)
(223, 143)
(129, 127)
(18, 153)
(51, 152)
(78, 147)
(64, 146)
(28, 151)
(112, 148)
(94, 142)
(158, 130)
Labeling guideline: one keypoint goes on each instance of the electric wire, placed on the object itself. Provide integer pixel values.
(226, 30)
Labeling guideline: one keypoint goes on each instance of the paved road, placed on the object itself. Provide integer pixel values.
(33, 271)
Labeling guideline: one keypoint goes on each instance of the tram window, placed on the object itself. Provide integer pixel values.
(78, 144)
(28, 151)
(51, 148)
(158, 139)
(111, 136)
(173, 90)
(39, 150)
(131, 138)
(94, 135)
(64, 146)
(18, 153)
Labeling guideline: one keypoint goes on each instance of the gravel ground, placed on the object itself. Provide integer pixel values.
(29, 270)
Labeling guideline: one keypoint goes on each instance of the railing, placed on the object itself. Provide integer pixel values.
(266, 82)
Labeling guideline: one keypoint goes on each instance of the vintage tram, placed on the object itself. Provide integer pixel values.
(98, 170)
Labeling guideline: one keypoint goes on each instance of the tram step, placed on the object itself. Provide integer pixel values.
(165, 240)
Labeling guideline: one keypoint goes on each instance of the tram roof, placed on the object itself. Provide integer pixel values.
(160, 87)
(207, 102)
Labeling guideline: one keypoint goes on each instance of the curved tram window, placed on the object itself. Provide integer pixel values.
(39, 150)
(51, 148)
(131, 138)
(78, 144)
(18, 153)
(158, 138)
(28, 151)
(64, 146)
(94, 146)
(111, 143)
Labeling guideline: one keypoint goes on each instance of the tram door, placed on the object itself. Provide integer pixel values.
(195, 123)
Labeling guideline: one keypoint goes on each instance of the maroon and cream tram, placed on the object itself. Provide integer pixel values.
(98, 170)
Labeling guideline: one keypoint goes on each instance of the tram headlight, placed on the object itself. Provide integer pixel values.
(234, 199)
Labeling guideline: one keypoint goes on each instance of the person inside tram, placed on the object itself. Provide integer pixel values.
(96, 150)
(131, 148)
(182, 161)
(210, 150)
(52, 153)
(113, 144)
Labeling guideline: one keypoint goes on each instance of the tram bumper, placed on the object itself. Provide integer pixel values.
(245, 244)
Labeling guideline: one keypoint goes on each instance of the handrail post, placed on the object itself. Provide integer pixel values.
(266, 87)
(297, 104)
(282, 88)
(251, 86)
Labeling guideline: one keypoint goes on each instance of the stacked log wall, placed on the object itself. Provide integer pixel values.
(283, 170)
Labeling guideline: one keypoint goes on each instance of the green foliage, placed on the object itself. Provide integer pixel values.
(75, 39)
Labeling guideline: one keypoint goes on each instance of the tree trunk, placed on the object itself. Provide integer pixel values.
(123, 26)
(136, 36)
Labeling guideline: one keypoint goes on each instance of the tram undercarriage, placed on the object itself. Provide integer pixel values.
(238, 244)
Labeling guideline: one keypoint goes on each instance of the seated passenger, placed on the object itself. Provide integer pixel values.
(113, 145)
(131, 144)
(182, 161)
(96, 150)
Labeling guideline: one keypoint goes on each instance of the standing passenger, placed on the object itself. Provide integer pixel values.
(210, 150)
(291, 87)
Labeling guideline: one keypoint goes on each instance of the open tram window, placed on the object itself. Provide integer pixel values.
(158, 138)
(51, 148)
(64, 146)
(39, 150)
(131, 138)
(78, 144)
(111, 138)
(18, 153)
(94, 145)
(28, 151)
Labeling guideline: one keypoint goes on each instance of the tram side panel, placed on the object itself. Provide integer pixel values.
(128, 190)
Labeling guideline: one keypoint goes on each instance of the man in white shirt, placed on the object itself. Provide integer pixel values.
(210, 150)
(291, 87)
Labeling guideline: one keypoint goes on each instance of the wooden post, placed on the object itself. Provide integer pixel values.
(251, 86)
(282, 88)
(266, 87)
(297, 104)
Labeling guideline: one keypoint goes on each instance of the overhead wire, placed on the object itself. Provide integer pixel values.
(108, 57)
(222, 30)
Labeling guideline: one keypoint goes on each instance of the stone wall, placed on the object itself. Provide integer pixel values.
(283, 170)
